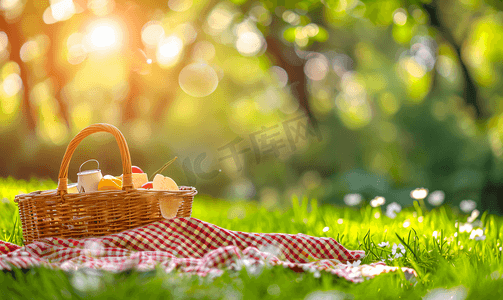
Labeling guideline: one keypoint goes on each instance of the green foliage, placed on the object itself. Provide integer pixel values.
(386, 109)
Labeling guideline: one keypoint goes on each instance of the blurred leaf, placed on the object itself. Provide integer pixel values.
(289, 34)
(322, 35)
(380, 12)
(239, 2)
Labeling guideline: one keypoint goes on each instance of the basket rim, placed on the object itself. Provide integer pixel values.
(183, 191)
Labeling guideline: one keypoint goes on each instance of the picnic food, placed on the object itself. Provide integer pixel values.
(72, 188)
(109, 182)
(164, 183)
(136, 169)
(148, 185)
(168, 205)
(139, 179)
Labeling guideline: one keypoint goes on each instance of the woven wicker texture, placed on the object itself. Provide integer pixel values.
(77, 215)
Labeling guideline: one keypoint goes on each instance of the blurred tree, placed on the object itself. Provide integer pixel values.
(378, 77)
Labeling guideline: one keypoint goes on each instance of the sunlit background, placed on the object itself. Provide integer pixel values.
(343, 101)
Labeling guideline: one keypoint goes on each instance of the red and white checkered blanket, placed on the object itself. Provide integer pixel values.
(194, 247)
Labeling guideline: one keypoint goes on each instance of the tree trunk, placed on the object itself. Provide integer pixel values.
(470, 93)
(15, 35)
(58, 77)
(295, 71)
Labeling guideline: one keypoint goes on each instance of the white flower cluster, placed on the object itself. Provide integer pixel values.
(383, 244)
(469, 226)
(352, 199)
(399, 253)
(252, 266)
(354, 269)
(87, 279)
(392, 209)
(467, 205)
(477, 234)
(436, 198)
(419, 193)
(328, 295)
(312, 269)
(377, 201)
(458, 293)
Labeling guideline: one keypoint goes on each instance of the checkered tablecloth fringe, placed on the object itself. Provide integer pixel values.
(195, 247)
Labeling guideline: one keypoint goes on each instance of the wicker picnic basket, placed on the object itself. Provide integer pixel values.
(57, 213)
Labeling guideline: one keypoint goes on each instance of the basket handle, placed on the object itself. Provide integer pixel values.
(127, 178)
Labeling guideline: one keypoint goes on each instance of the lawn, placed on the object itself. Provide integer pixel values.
(454, 255)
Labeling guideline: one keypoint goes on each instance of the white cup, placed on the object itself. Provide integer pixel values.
(88, 181)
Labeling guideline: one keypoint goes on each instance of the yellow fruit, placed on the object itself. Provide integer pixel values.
(109, 182)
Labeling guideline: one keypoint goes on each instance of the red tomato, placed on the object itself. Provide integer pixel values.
(148, 185)
(136, 169)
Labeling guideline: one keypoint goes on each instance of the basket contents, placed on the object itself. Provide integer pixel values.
(88, 180)
(164, 183)
(169, 207)
(109, 182)
(140, 181)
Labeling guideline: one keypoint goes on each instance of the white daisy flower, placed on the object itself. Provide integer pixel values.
(420, 193)
(377, 201)
(467, 205)
(383, 244)
(398, 247)
(352, 199)
(392, 209)
(436, 198)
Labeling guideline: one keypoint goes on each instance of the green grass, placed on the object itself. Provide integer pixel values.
(451, 262)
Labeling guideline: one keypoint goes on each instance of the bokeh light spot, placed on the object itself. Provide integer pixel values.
(204, 50)
(152, 33)
(179, 5)
(62, 10)
(101, 7)
(280, 75)
(400, 17)
(47, 16)
(187, 32)
(169, 50)
(219, 19)
(104, 34)
(9, 4)
(198, 80)
(12, 84)
(4, 41)
(76, 54)
(249, 43)
(316, 68)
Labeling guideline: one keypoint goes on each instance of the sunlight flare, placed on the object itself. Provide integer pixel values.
(103, 35)
(169, 51)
